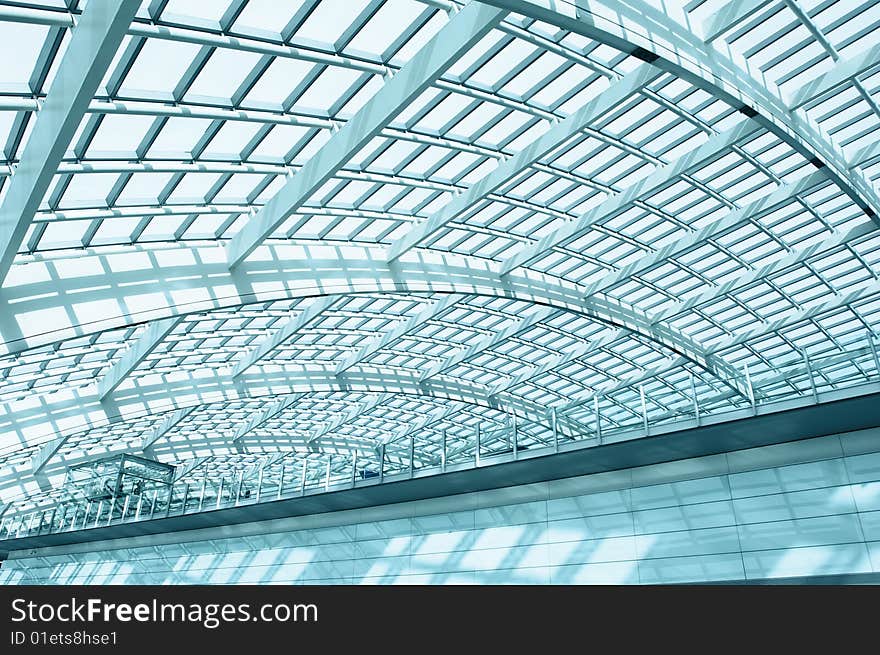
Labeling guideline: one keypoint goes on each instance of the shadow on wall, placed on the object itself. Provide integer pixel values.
(813, 518)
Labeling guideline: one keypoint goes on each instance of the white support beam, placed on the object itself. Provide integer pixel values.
(283, 278)
(146, 343)
(95, 39)
(430, 418)
(462, 31)
(489, 341)
(164, 426)
(646, 31)
(282, 334)
(347, 417)
(733, 219)
(865, 155)
(715, 145)
(189, 467)
(271, 460)
(731, 14)
(617, 92)
(47, 452)
(405, 327)
(271, 411)
(35, 16)
(844, 72)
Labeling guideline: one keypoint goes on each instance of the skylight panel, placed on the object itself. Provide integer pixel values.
(448, 109)
(63, 235)
(539, 72)
(267, 16)
(20, 46)
(278, 82)
(852, 36)
(193, 188)
(327, 90)
(509, 126)
(205, 226)
(238, 188)
(456, 166)
(115, 230)
(223, 73)
(475, 120)
(119, 135)
(567, 92)
(329, 21)
(490, 74)
(162, 228)
(383, 197)
(178, 137)
(203, 12)
(385, 27)
(350, 194)
(230, 140)
(413, 200)
(158, 68)
(278, 144)
(88, 190)
(392, 156)
(143, 188)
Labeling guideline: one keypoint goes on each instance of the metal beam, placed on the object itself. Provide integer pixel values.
(731, 14)
(36, 16)
(347, 417)
(843, 73)
(288, 274)
(282, 334)
(47, 452)
(189, 467)
(737, 217)
(463, 30)
(95, 40)
(617, 92)
(647, 32)
(271, 411)
(165, 425)
(434, 416)
(405, 327)
(539, 315)
(146, 343)
(619, 201)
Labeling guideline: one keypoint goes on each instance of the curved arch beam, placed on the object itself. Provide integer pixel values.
(77, 410)
(83, 410)
(136, 286)
(653, 36)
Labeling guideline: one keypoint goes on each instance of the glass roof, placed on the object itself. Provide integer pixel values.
(268, 231)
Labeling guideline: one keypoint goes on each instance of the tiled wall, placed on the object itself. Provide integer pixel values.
(800, 509)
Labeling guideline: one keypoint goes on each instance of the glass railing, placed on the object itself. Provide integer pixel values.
(857, 372)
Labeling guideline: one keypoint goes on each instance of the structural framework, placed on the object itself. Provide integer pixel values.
(283, 244)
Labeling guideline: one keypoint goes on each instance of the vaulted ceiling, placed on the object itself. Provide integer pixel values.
(235, 234)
